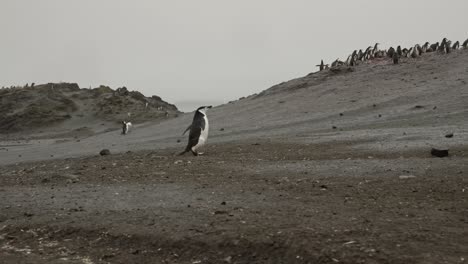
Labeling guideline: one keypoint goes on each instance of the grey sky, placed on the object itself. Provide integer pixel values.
(213, 49)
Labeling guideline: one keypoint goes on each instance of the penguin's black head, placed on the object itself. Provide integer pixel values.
(203, 109)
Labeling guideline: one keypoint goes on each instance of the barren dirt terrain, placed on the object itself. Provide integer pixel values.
(333, 167)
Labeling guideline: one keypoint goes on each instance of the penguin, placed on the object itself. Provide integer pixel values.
(390, 52)
(348, 61)
(360, 55)
(126, 127)
(435, 46)
(465, 44)
(425, 47)
(442, 45)
(337, 63)
(447, 48)
(321, 66)
(198, 131)
(395, 58)
(419, 49)
(399, 51)
(456, 45)
(376, 48)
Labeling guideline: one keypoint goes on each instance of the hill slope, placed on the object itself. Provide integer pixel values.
(423, 97)
(25, 109)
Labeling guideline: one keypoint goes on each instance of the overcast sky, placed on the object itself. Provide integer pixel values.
(204, 50)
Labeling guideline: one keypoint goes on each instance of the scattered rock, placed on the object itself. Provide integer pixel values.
(334, 127)
(223, 203)
(434, 108)
(178, 162)
(439, 152)
(380, 115)
(341, 114)
(104, 152)
(27, 214)
(450, 135)
(418, 107)
(178, 141)
(221, 129)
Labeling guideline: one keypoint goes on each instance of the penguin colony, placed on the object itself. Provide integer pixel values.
(373, 52)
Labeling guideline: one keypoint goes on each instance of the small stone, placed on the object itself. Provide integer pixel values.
(104, 152)
(439, 152)
(223, 203)
(178, 141)
(450, 135)
(334, 127)
(222, 129)
(341, 114)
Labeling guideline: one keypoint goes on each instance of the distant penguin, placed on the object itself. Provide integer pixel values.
(456, 45)
(465, 44)
(395, 58)
(360, 55)
(337, 63)
(442, 46)
(376, 48)
(348, 60)
(448, 49)
(425, 47)
(126, 127)
(435, 46)
(198, 131)
(321, 66)
(416, 51)
(390, 52)
(419, 49)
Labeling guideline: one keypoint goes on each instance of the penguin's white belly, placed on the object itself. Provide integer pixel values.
(203, 135)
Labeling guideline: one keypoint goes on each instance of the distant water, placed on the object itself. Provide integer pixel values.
(190, 106)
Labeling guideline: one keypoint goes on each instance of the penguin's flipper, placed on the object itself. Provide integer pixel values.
(188, 128)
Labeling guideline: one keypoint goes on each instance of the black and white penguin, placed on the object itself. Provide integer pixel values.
(465, 44)
(399, 51)
(456, 45)
(390, 52)
(126, 127)
(198, 131)
(395, 58)
(321, 66)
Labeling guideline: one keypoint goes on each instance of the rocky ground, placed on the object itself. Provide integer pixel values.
(334, 167)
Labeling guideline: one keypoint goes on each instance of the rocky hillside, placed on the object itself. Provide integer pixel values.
(24, 109)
